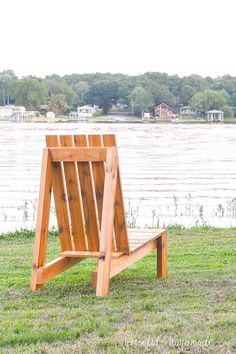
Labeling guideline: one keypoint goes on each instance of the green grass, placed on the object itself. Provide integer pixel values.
(193, 311)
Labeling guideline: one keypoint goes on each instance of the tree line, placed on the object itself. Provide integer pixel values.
(62, 94)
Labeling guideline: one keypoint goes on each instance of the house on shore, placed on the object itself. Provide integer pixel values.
(163, 111)
(12, 111)
(85, 112)
(147, 116)
(188, 111)
(215, 116)
(5, 112)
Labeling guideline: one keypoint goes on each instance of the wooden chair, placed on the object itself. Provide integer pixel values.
(83, 173)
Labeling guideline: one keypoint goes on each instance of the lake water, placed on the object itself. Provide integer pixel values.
(184, 174)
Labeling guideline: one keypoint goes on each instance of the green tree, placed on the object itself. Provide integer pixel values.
(30, 92)
(209, 99)
(197, 82)
(58, 104)
(141, 99)
(186, 94)
(56, 85)
(81, 88)
(228, 112)
(227, 83)
(161, 93)
(7, 81)
(103, 94)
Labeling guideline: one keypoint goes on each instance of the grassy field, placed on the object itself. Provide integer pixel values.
(193, 311)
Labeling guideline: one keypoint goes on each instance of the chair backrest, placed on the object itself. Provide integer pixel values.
(78, 189)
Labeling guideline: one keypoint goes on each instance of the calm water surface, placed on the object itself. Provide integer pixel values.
(183, 174)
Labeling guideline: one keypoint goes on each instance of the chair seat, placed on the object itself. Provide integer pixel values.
(139, 237)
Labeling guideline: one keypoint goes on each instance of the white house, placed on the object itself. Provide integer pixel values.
(147, 116)
(85, 112)
(12, 111)
(5, 112)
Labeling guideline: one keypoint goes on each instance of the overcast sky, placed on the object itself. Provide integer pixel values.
(42, 37)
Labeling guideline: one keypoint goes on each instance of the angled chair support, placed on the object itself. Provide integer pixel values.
(82, 173)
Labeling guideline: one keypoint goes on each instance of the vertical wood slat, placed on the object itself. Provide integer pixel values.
(120, 227)
(74, 198)
(41, 233)
(88, 197)
(60, 198)
(98, 174)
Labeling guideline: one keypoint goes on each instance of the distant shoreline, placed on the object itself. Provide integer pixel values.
(117, 120)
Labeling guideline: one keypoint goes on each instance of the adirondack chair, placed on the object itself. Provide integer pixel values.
(83, 173)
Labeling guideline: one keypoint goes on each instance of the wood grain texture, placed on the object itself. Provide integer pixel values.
(88, 254)
(74, 198)
(98, 178)
(98, 174)
(88, 198)
(120, 227)
(108, 212)
(41, 234)
(85, 154)
(162, 268)
(142, 242)
(60, 198)
(54, 268)
(124, 262)
(139, 237)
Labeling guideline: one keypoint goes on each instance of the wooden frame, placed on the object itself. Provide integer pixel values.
(83, 174)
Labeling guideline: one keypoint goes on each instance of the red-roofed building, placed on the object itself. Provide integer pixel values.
(164, 111)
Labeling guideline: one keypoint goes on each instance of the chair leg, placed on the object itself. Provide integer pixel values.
(34, 286)
(103, 279)
(41, 234)
(162, 271)
(94, 275)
